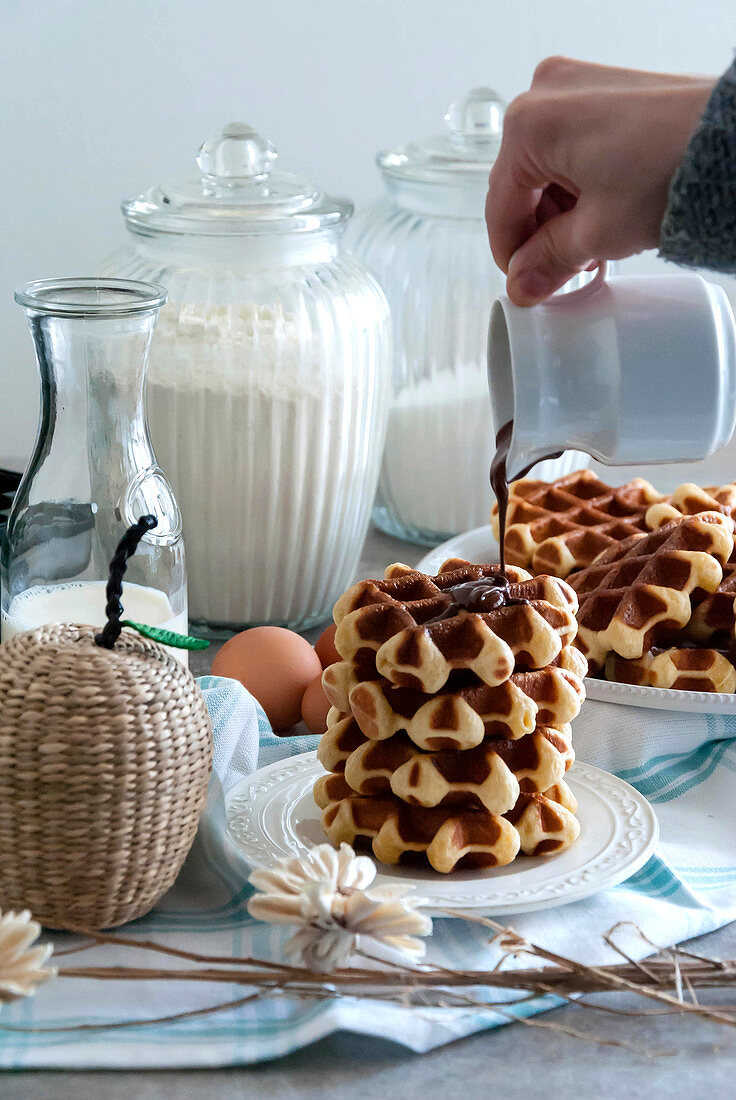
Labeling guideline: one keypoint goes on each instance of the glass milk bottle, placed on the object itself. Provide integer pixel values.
(269, 383)
(93, 472)
(427, 245)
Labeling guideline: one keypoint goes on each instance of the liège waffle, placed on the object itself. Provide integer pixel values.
(689, 500)
(713, 616)
(448, 837)
(398, 619)
(546, 823)
(559, 526)
(681, 668)
(461, 718)
(491, 775)
(640, 590)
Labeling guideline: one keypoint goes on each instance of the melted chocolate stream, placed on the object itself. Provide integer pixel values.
(490, 593)
(500, 481)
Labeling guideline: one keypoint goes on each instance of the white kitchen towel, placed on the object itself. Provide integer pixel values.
(684, 763)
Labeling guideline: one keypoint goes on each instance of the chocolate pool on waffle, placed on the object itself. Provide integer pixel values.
(559, 526)
(420, 628)
(642, 590)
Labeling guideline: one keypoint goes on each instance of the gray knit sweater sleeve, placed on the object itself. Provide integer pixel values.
(699, 226)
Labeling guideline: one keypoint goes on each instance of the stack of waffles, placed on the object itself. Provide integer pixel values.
(658, 609)
(641, 620)
(557, 527)
(449, 734)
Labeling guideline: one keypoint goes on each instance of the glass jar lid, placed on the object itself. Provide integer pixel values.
(463, 154)
(238, 191)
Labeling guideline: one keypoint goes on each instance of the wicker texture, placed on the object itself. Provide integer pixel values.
(105, 757)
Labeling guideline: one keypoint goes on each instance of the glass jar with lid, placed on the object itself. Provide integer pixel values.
(427, 245)
(269, 381)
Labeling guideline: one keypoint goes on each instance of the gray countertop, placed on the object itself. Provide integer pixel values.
(684, 1056)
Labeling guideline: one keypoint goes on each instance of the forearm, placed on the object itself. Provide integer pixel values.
(699, 225)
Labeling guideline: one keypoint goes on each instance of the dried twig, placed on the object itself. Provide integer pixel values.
(663, 979)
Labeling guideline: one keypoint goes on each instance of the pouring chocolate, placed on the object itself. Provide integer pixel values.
(500, 479)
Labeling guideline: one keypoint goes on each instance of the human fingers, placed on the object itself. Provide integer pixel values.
(549, 258)
(510, 213)
(568, 74)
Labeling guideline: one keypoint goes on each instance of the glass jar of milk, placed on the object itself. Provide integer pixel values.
(93, 472)
(427, 245)
(269, 382)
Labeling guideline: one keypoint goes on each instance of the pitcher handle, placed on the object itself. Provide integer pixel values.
(602, 273)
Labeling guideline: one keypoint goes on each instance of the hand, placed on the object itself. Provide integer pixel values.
(584, 169)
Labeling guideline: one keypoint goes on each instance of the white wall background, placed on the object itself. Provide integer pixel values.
(102, 98)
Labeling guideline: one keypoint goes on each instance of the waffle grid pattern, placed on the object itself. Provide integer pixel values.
(448, 740)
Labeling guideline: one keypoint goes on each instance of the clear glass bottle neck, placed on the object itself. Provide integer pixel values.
(93, 442)
(92, 388)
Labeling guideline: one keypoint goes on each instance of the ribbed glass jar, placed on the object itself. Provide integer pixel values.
(268, 394)
(427, 245)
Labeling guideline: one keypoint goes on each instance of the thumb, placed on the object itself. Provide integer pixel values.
(549, 258)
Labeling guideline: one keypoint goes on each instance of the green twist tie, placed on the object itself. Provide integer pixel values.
(167, 637)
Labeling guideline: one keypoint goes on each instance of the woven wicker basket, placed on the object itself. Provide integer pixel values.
(105, 757)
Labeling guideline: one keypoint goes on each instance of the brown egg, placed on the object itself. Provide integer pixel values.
(324, 647)
(315, 705)
(275, 665)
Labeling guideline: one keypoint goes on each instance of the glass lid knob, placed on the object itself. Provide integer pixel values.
(238, 152)
(479, 114)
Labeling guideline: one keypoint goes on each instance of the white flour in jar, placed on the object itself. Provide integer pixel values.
(261, 443)
(439, 446)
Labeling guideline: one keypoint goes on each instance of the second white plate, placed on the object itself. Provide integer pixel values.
(479, 545)
(271, 815)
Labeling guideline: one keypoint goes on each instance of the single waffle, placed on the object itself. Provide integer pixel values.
(490, 776)
(714, 616)
(639, 590)
(684, 669)
(546, 823)
(446, 837)
(449, 838)
(462, 717)
(397, 619)
(689, 499)
(559, 526)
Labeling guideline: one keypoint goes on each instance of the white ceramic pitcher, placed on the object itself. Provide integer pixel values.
(635, 369)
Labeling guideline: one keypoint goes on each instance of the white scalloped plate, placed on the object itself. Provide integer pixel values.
(479, 545)
(271, 815)
(693, 702)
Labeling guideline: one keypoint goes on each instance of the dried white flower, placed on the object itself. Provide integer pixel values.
(329, 896)
(21, 966)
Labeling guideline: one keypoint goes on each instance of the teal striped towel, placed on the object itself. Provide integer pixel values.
(684, 763)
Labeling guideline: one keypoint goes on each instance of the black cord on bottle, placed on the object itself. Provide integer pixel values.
(114, 608)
